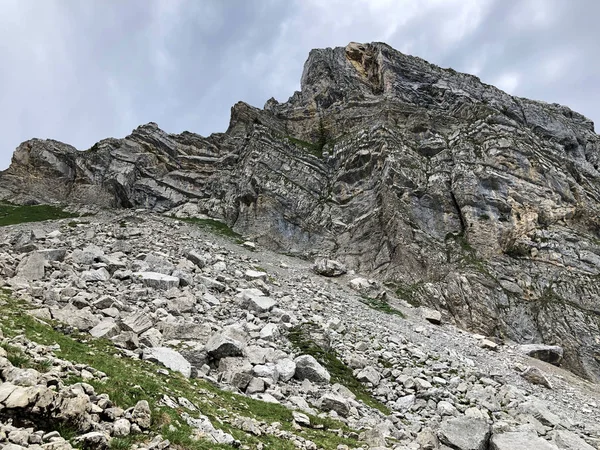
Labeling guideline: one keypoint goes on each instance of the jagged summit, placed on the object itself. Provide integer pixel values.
(463, 197)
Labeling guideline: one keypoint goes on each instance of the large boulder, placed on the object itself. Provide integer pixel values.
(520, 440)
(308, 368)
(465, 433)
(168, 358)
(254, 300)
(329, 267)
(157, 280)
(31, 268)
(222, 345)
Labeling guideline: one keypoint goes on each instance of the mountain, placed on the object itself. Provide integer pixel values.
(455, 194)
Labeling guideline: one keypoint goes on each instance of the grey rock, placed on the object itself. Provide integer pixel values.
(222, 345)
(552, 354)
(82, 319)
(369, 375)
(331, 402)
(121, 427)
(141, 415)
(257, 303)
(138, 323)
(536, 376)
(329, 267)
(195, 257)
(431, 315)
(169, 358)
(519, 440)
(32, 267)
(106, 329)
(465, 433)
(308, 368)
(157, 280)
(95, 275)
(567, 440)
(286, 368)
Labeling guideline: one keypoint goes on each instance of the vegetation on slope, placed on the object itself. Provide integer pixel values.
(300, 337)
(132, 380)
(13, 214)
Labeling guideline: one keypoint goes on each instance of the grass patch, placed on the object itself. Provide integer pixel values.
(13, 214)
(213, 226)
(381, 305)
(313, 149)
(300, 337)
(408, 293)
(131, 380)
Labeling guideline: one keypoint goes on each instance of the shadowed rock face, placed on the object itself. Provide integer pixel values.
(465, 198)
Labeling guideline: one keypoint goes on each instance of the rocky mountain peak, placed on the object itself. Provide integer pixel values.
(459, 196)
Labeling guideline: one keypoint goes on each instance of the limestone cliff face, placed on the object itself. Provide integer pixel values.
(461, 196)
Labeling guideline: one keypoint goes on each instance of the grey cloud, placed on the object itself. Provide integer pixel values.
(81, 71)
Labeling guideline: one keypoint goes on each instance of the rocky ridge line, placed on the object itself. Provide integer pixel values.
(479, 204)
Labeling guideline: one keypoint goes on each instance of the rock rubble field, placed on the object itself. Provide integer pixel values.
(343, 361)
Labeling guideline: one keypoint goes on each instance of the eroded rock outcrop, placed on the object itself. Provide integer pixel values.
(470, 200)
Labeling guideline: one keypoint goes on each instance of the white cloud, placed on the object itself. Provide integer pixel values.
(508, 82)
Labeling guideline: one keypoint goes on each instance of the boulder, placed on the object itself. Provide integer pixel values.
(286, 368)
(465, 433)
(95, 275)
(536, 376)
(157, 280)
(252, 275)
(331, 402)
(308, 368)
(141, 415)
(520, 440)
(31, 268)
(196, 257)
(431, 315)
(107, 328)
(82, 319)
(169, 358)
(369, 375)
(567, 440)
(137, 323)
(329, 267)
(256, 303)
(222, 345)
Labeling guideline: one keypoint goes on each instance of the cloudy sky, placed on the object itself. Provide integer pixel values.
(82, 70)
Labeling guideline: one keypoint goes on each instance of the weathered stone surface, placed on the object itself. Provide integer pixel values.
(431, 315)
(32, 267)
(519, 440)
(308, 368)
(222, 345)
(142, 415)
(157, 280)
(465, 433)
(369, 375)
(106, 329)
(83, 319)
(567, 440)
(137, 323)
(552, 354)
(536, 376)
(329, 267)
(330, 402)
(257, 303)
(169, 358)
